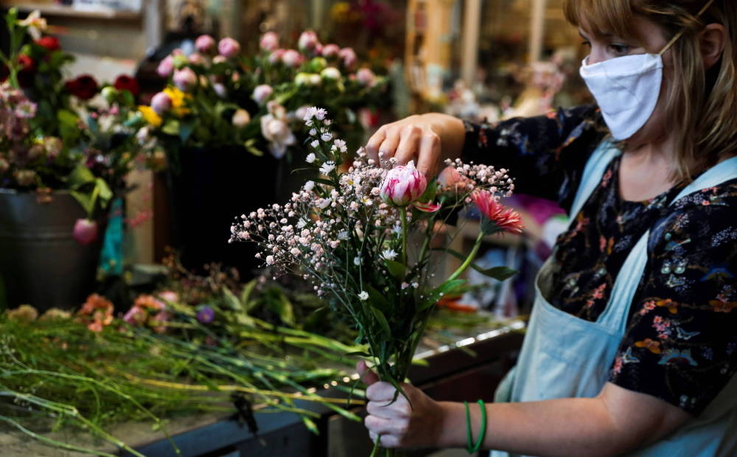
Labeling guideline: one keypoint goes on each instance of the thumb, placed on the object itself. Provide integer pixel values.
(367, 376)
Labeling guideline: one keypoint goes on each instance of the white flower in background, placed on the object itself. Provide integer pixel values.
(269, 260)
(357, 261)
(35, 23)
(330, 73)
(363, 296)
(327, 167)
(310, 157)
(309, 185)
(241, 118)
(389, 254)
(315, 144)
(275, 129)
(326, 137)
(340, 144)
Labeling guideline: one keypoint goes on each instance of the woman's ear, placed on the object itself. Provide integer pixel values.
(712, 40)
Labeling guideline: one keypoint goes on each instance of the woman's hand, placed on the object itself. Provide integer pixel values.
(398, 423)
(428, 139)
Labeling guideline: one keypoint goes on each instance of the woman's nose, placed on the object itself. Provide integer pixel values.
(597, 55)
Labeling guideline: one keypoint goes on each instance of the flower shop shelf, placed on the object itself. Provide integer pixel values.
(53, 9)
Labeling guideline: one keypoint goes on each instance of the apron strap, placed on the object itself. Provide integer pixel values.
(592, 174)
(616, 315)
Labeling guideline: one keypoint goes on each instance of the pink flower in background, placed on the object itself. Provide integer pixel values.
(262, 93)
(160, 318)
(276, 56)
(205, 44)
(229, 48)
(219, 59)
(503, 219)
(269, 41)
(330, 51)
(166, 66)
(169, 295)
(196, 59)
(185, 79)
(291, 58)
(366, 77)
(403, 185)
(161, 103)
(135, 316)
(85, 231)
(25, 109)
(308, 41)
(349, 57)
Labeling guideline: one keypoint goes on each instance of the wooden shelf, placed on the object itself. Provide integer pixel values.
(52, 9)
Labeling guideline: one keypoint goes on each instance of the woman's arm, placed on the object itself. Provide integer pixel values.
(615, 421)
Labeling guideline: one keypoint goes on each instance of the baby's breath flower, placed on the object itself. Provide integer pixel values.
(310, 157)
(363, 296)
(389, 254)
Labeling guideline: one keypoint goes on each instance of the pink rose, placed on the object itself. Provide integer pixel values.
(349, 57)
(229, 48)
(276, 56)
(308, 41)
(205, 44)
(330, 51)
(169, 295)
(269, 41)
(185, 79)
(366, 77)
(85, 231)
(403, 185)
(262, 93)
(196, 59)
(291, 58)
(166, 66)
(161, 103)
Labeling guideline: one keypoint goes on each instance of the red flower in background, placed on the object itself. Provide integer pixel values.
(125, 82)
(27, 70)
(500, 218)
(49, 42)
(84, 87)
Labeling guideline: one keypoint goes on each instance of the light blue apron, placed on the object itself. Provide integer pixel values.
(564, 356)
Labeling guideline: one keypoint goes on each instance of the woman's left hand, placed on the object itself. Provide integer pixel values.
(415, 423)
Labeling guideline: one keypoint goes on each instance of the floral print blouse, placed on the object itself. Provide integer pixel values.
(681, 343)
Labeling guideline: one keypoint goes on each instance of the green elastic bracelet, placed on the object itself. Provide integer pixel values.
(470, 447)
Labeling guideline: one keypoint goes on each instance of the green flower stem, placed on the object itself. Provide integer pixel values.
(52, 443)
(469, 259)
(403, 215)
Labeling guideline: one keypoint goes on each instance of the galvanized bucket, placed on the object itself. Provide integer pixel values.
(40, 262)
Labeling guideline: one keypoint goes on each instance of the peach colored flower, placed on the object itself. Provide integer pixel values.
(501, 218)
(99, 309)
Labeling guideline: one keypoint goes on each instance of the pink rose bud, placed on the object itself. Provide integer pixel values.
(196, 59)
(291, 58)
(241, 118)
(229, 48)
(308, 41)
(161, 103)
(262, 93)
(185, 79)
(366, 77)
(349, 57)
(269, 41)
(219, 59)
(330, 51)
(169, 295)
(276, 56)
(403, 185)
(85, 231)
(205, 44)
(166, 66)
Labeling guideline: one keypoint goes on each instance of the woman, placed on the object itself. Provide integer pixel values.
(632, 344)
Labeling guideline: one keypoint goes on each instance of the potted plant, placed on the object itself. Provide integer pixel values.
(223, 113)
(64, 152)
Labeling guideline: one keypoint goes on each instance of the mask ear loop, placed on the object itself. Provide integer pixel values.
(680, 34)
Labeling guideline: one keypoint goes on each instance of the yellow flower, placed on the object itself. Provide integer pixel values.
(150, 115)
(176, 95)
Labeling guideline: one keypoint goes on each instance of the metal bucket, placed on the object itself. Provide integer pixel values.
(40, 262)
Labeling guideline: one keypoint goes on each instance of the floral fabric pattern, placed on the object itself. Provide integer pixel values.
(680, 344)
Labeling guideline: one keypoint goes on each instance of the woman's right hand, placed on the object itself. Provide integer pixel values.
(428, 139)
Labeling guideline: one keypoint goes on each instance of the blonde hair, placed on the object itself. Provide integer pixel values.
(700, 105)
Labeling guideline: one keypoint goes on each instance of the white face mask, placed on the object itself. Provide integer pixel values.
(627, 88)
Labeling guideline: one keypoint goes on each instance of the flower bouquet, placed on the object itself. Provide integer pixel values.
(348, 232)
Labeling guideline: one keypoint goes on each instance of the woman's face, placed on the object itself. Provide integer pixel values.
(651, 40)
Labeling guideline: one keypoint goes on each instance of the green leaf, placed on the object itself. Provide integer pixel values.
(382, 321)
(283, 307)
(447, 288)
(376, 298)
(430, 192)
(499, 273)
(395, 268)
(84, 199)
(104, 193)
(128, 98)
(231, 300)
(80, 176)
(246, 294)
(68, 127)
(171, 127)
